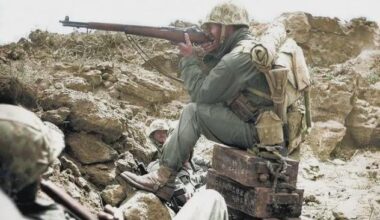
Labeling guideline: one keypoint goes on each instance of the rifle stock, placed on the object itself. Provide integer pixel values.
(61, 197)
(175, 35)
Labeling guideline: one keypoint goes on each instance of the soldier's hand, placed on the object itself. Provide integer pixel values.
(210, 46)
(110, 213)
(186, 49)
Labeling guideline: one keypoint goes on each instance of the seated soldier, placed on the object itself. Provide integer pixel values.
(241, 93)
(214, 93)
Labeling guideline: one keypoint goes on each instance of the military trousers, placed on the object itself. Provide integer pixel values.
(205, 205)
(216, 122)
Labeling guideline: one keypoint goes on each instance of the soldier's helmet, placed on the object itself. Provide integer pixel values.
(227, 13)
(27, 147)
(157, 125)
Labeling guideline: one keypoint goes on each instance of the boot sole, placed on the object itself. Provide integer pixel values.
(164, 192)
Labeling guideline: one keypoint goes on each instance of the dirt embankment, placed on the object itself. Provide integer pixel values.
(102, 94)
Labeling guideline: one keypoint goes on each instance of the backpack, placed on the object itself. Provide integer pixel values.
(282, 62)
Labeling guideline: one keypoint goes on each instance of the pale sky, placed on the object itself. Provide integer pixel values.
(19, 17)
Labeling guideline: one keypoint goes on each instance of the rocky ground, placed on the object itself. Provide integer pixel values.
(103, 94)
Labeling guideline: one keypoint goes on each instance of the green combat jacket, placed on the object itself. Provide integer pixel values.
(231, 73)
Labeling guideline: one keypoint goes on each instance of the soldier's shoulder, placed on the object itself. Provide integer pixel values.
(237, 59)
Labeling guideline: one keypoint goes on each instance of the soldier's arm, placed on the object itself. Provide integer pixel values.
(223, 82)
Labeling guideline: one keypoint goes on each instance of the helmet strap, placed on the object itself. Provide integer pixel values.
(222, 33)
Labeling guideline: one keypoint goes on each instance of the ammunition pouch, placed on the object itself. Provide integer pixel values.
(243, 109)
(277, 80)
(269, 129)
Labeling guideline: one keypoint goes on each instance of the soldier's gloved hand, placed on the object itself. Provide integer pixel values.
(186, 49)
(110, 213)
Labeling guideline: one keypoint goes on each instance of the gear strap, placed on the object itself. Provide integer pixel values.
(222, 33)
(259, 93)
(277, 80)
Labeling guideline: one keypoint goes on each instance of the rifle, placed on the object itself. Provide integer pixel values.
(176, 35)
(61, 197)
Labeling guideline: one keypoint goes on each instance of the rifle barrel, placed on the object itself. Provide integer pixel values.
(61, 197)
(168, 33)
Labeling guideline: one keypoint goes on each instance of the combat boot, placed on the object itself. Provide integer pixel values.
(160, 182)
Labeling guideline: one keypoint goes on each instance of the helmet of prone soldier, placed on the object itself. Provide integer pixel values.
(227, 13)
(157, 125)
(27, 147)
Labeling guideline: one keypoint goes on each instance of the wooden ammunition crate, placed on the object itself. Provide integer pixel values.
(248, 169)
(257, 202)
(238, 215)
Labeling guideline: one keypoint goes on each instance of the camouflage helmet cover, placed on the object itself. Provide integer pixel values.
(227, 13)
(27, 147)
(157, 125)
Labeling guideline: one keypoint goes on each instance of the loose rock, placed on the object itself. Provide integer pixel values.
(69, 164)
(56, 116)
(144, 205)
(89, 149)
(101, 174)
(93, 77)
(77, 83)
(324, 137)
(126, 162)
(113, 194)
